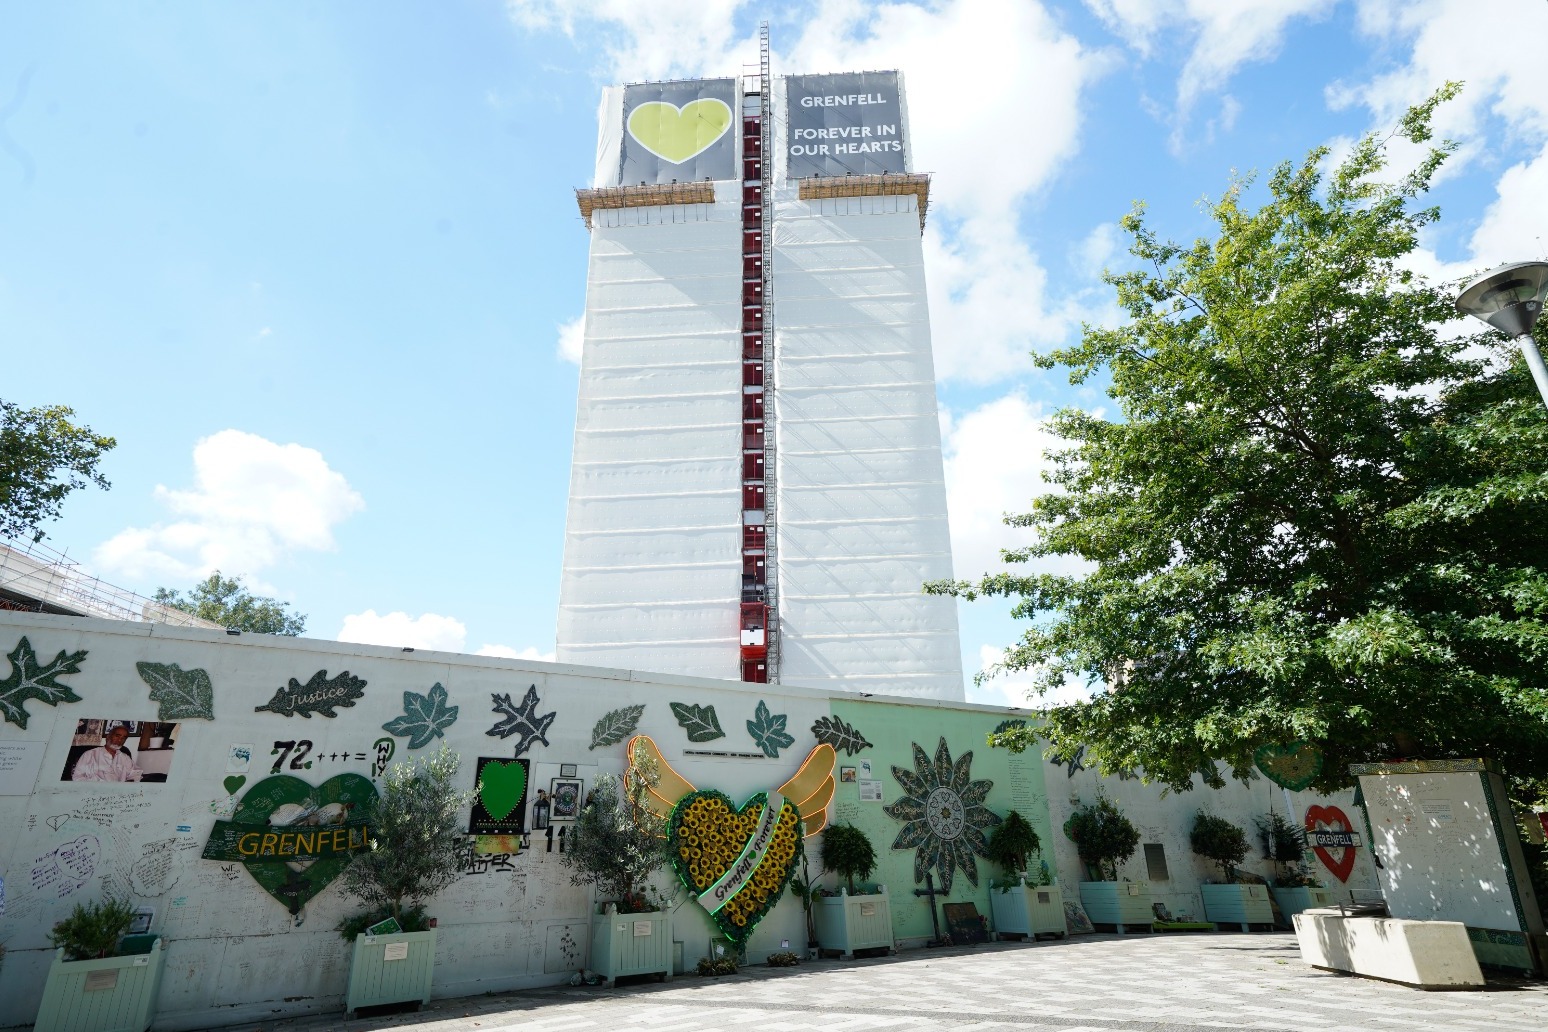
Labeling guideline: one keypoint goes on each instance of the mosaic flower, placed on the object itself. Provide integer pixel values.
(943, 815)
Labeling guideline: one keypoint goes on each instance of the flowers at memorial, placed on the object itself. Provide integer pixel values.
(709, 836)
(943, 815)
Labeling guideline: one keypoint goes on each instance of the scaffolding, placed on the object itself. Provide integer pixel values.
(885, 184)
(36, 579)
(642, 196)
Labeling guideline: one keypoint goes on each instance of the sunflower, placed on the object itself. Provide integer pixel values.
(943, 815)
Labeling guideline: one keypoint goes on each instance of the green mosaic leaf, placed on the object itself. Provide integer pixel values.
(699, 721)
(843, 737)
(1009, 725)
(768, 731)
(319, 695)
(425, 717)
(614, 727)
(30, 679)
(180, 694)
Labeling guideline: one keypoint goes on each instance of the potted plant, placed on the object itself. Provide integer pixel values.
(615, 845)
(1230, 901)
(1104, 838)
(1021, 905)
(416, 850)
(852, 921)
(805, 890)
(101, 978)
(1294, 889)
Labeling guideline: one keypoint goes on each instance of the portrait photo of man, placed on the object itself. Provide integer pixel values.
(110, 761)
(120, 751)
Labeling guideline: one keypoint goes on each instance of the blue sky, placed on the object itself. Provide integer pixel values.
(316, 266)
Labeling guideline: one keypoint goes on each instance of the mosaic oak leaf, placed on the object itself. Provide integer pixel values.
(615, 726)
(843, 737)
(768, 730)
(320, 695)
(521, 720)
(425, 717)
(180, 694)
(30, 679)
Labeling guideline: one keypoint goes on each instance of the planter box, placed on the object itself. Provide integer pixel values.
(1121, 904)
(395, 968)
(1293, 901)
(117, 994)
(1237, 904)
(631, 944)
(848, 923)
(1029, 910)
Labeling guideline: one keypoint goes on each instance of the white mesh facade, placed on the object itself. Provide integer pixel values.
(862, 498)
(652, 560)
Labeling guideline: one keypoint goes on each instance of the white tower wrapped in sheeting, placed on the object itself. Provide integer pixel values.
(757, 488)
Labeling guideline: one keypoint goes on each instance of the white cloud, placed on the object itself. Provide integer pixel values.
(1015, 689)
(572, 337)
(253, 503)
(970, 67)
(427, 631)
(506, 652)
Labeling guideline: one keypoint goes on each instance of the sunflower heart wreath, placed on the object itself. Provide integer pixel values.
(735, 861)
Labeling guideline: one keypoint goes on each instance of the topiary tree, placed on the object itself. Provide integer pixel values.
(617, 841)
(417, 843)
(848, 853)
(1103, 837)
(1217, 839)
(1013, 843)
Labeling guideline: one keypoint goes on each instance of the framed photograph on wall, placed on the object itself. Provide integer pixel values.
(568, 770)
(566, 799)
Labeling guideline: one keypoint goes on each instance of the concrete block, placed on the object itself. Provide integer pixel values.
(1423, 954)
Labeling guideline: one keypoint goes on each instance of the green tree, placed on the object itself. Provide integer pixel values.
(1318, 518)
(227, 601)
(43, 457)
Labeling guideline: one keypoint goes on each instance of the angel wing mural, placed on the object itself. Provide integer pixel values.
(736, 860)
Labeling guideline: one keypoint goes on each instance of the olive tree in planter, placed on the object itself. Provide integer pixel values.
(852, 921)
(96, 981)
(1021, 907)
(1294, 888)
(1228, 902)
(416, 850)
(1104, 838)
(616, 844)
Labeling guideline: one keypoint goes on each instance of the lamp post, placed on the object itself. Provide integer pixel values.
(1510, 299)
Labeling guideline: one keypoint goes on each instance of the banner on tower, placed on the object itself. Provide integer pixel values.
(678, 132)
(846, 124)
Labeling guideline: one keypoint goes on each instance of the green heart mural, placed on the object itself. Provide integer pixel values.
(294, 838)
(501, 787)
(735, 860)
(1294, 766)
(677, 134)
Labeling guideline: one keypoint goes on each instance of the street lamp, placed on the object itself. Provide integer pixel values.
(1510, 299)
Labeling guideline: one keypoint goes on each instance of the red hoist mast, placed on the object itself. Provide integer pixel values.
(759, 613)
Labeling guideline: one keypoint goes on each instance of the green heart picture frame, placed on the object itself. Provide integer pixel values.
(1294, 766)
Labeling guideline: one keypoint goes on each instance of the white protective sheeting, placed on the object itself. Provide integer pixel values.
(862, 496)
(652, 561)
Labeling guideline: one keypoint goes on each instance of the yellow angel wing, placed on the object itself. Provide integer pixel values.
(669, 786)
(812, 787)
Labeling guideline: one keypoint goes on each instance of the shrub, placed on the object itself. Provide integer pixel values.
(848, 853)
(1103, 836)
(1217, 839)
(93, 930)
(1012, 843)
(1285, 845)
(784, 960)
(617, 841)
(417, 843)
(717, 966)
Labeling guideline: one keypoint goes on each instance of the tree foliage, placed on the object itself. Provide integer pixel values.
(1012, 843)
(1217, 839)
(1103, 837)
(847, 852)
(1318, 517)
(43, 457)
(417, 846)
(226, 601)
(617, 842)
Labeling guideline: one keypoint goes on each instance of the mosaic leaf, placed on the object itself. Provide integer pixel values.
(614, 727)
(768, 730)
(1009, 725)
(320, 694)
(699, 721)
(30, 679)
(425, 717)
(180, 694)
(521, 720)
(843, 737)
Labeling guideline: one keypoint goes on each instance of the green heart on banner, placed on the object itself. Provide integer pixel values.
(679, 133)
(234, 782)
(329, 817)
(501, 787)
(1294, 766)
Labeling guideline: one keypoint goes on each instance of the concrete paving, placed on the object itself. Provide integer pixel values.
(1099, 983)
